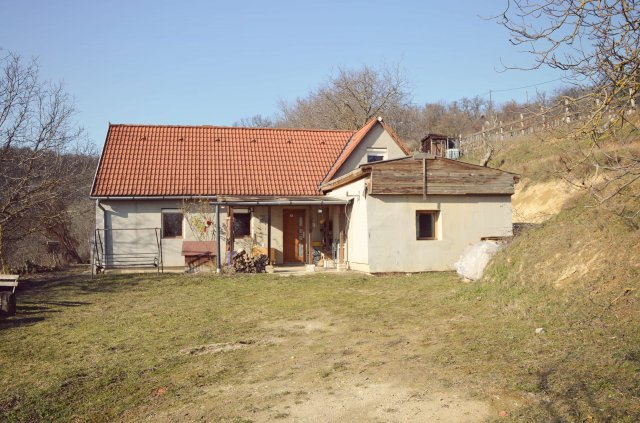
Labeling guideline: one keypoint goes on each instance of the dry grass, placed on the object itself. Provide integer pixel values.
(586, 264)
(329, 347)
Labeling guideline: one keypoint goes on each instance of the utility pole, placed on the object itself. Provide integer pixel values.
(491, 107)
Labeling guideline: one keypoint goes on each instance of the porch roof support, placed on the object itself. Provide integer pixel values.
(218, 258)
(269, 234)
(309, 218)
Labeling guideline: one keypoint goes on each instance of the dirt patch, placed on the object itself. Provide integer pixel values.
(382, 402)
(536, 203)
(346, 401)
(588, 262)
(219, 347)
(300, 326)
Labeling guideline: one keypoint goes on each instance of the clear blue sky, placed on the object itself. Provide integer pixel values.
(214, 62)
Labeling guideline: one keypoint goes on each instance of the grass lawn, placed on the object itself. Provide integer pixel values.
(323, 347)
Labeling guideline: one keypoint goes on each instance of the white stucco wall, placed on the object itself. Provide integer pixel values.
(378, 137)
(127, 214)
(463, 220)
(382, 229)
(357, 228)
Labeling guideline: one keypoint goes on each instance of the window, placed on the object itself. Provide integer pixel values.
(376, 154)
(426, 222)
(171, 224)
(241, 224)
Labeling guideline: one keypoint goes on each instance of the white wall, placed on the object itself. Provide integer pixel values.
(129, 214)
(380, 232)
(357, 253)
(382, 229)
(463, 220)
(377, 137)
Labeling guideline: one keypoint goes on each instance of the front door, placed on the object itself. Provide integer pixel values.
(294, 236)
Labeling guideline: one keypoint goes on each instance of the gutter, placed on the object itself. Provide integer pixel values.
(157, 197)
(230, 202)
(281, 203)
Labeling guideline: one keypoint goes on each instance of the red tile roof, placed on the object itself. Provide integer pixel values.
(152, 160)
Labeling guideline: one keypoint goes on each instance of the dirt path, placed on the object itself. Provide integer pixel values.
(326, 370)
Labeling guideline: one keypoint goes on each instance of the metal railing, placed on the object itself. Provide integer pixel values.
(105, 258)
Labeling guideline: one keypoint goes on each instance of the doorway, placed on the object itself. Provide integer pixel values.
(294, 236)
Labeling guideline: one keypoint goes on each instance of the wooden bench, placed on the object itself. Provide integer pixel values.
(8, 299)
(9, 280)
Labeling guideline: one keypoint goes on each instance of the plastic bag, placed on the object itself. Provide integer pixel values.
(475, 258)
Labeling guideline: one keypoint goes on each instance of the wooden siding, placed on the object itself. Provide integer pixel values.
(444, 177)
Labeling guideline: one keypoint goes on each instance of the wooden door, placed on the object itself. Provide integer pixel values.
(294, 236)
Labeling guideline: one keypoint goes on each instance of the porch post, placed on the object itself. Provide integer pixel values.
(269, 234)
(341, 228)
(230, 233)
(218, 258)
(309, 258)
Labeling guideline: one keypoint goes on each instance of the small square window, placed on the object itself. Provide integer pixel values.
(426, 222)
(376, 154)
(172, 224)
(242, 224)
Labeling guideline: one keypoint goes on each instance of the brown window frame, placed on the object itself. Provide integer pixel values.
(436, 217)
(235, 217)
(163, 212)
(375, 157)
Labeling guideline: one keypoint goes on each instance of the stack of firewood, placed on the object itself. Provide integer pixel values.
(244, 263)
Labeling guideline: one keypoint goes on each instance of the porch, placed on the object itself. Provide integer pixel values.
(291, 232)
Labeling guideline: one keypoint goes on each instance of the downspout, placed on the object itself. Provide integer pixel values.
(104, 225)
(104, 214)
(346, 232)
(347, 223)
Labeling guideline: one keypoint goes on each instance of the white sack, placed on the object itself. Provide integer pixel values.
(475, 258)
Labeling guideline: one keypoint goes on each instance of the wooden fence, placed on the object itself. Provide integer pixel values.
(567, 112)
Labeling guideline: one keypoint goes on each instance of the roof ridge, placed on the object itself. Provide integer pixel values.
(230, 127)
(349, 148)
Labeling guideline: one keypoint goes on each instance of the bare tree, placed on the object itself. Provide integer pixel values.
(43, 161)
(349, 99)
(597, 44)
(255, 121)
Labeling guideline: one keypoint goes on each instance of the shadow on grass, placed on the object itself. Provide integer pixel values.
(65, 303)
(572, 397)
(19, 321)
(38, 296)
(61, 285)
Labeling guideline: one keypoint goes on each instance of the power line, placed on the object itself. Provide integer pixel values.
(521, 88)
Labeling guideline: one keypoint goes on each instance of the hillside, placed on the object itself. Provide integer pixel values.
(577, 272)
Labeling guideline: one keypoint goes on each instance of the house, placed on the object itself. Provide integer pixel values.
(358, 199)
(440, 145)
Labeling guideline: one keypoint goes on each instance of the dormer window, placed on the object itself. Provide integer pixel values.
(376, 154)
